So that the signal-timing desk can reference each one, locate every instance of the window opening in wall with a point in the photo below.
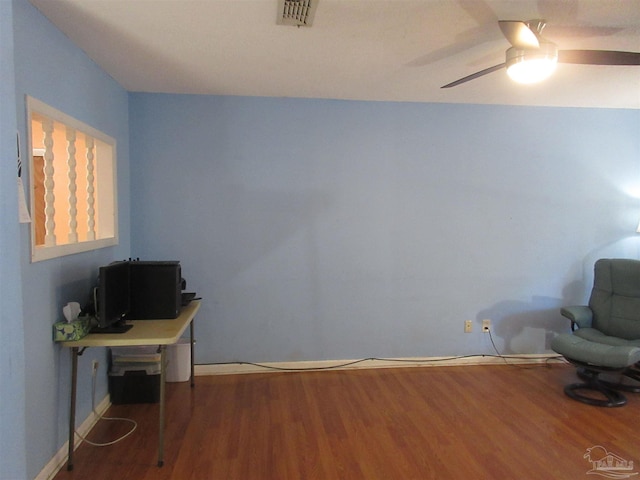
(73, 184)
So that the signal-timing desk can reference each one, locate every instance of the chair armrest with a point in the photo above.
(580, 315)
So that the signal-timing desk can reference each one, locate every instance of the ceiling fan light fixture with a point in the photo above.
(532, 65)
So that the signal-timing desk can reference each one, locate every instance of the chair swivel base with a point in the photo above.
(629, 380)
(594, 391)
(632, 373)
(611, 398)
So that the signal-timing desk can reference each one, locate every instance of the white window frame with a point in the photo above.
(105, 181)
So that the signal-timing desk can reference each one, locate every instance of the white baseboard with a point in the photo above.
(235, 368)
(60, 458)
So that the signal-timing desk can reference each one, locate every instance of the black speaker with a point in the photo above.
(155, 290)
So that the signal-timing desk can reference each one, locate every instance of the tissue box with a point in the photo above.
(65, 332)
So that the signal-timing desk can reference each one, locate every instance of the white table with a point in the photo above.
(144, 332)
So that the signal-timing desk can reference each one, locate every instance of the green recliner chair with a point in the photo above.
(607, 337)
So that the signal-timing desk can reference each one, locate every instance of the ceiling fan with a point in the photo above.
(532, 58)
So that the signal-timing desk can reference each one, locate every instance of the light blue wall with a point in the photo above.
(322, 229)
(313, 229)
(51, 68)
(12, 371)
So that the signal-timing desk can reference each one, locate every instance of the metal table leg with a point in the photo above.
(72, 408)
(163, 367)
(193, 381)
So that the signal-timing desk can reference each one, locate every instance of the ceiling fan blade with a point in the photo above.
(577, 31)
(464, 41)
(474, 75)
(484, 31)
(598, 57)
(519, 34)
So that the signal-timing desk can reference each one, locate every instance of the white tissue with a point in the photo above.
(71, 311)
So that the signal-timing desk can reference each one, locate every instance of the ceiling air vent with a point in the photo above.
(296, 12)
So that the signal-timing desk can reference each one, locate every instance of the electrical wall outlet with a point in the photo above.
(94, 367)
(468, 326)
(486, 326)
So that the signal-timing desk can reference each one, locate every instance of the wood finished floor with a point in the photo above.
(474, 422)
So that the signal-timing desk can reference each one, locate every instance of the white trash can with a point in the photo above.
(179, 361)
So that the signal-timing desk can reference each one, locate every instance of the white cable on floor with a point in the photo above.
(100, 417)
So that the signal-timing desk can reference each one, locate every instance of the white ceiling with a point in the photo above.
(387, 50)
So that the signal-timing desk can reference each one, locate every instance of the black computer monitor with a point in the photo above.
(112, 299)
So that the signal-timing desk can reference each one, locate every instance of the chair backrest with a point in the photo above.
(615, 297)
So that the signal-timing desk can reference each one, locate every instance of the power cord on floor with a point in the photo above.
(100, 417)
(560, 358)
(400, 360)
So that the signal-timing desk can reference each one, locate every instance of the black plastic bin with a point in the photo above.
(138, 383)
